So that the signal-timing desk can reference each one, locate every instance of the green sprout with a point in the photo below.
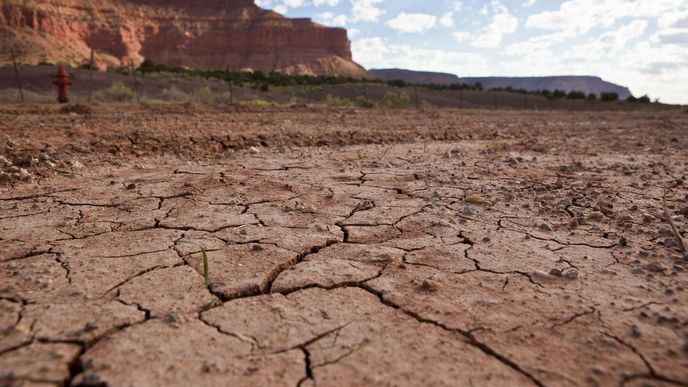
(204, 255)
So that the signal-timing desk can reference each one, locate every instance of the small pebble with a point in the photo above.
(253, 150)
(545, 227)
(555, 272)
(131, 186)
(571, 273)
(596, 216)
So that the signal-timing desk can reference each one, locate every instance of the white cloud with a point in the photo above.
(529, 3)
(447, 19)
(366, 10)
(330, 19)
(331, 3)
(584, 15)
(503, 23)
(412, 22)
(376, 52)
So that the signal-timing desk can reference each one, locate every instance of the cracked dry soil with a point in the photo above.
(353, 265)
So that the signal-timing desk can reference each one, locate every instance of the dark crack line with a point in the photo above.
(471, 339)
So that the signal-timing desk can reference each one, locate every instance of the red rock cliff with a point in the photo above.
(210, 34)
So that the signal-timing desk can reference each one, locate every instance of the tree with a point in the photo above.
(592, 97)
(609, 97)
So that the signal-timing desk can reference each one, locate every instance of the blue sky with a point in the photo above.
(642, 44)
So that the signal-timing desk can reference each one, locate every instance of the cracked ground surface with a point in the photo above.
(524, 249)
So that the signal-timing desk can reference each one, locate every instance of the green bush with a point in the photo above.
(173, 94)
(393, 100)
(334, 101)
(259, 102)
(364, 102)
(609, 97)
(117, 92)
(205, 95)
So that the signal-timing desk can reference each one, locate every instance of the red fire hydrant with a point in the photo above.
(62, 82)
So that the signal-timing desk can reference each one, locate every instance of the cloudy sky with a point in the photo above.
(642, 44)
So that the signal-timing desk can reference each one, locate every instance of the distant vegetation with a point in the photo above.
(261, 81)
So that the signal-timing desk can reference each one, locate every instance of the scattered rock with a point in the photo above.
(555, 272)
(648, 219)
(637, 271)
(131, 186)
(571, 273)
(4, 162)
(543, 276)
(78, 164)
(24, 175)
(596, 216)
(428, 286)
(253, 150)
(654, 267)
(545, 227)
(469, 210)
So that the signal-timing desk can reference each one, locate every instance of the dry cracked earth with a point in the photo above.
(530, 249)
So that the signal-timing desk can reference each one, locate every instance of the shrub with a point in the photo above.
(609, 97)
(205, 95)
(334, 101)
(576, 95)
(364, 102)
(173, 94)
(592, 97)
(394, 100)
(117, 92)
(644, 99)
(258, 102)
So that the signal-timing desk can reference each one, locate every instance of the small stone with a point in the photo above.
(4, 177)
(635, 331)
(555, 272)
(486, 239)
(571, 273)
(669, 242)
(542, 275)
(623, 242)
(596, 216)
(637, 271)
(647, 218)
(599, 370)
(468, 210)
(545, 227)
(78, 164)
(428, 286)
(253, 150)
(43, 156)
(627, 219)
(654, 267)
(257, 248)
(24, 175)
(131, 186)
(4, 162)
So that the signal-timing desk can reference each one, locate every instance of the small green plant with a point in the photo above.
(258, 102)
(393, 100)
(206, 276)
(496, 147)
(117, 92)
(359, 155)
(205, 95)
(364, 102)
(334, 101)
(386, 151)
(204, 256)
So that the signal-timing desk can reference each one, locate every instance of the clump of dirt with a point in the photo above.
(76, 108)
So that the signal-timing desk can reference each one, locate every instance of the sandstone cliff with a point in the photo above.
(209, 34)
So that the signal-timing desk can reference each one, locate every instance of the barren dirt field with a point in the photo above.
(344, 247)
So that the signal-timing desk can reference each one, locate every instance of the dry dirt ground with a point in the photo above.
(348, 248)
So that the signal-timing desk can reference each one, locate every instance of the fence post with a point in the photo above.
(90, 86)
(136, 83)
(16, 74)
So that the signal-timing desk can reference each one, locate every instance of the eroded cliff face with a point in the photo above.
(209, 34)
